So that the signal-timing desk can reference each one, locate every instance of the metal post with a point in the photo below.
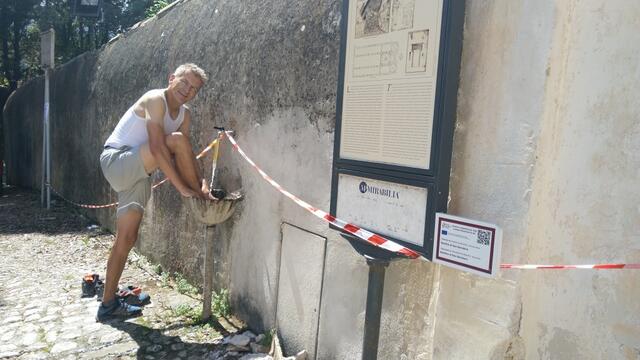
(375, 290)
(48, 135)
(207, 288)
(44, 150)
(47, 47)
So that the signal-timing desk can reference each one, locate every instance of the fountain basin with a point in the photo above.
(212, 212)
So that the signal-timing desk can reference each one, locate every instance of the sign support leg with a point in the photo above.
(375, 291)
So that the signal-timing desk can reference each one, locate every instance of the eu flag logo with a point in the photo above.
(444, 232)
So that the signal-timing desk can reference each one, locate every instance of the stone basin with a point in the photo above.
(212, 212)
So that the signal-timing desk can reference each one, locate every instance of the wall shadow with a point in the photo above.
(155, 343)
(21, 212)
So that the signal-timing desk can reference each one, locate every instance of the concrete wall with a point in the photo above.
(584, 204)
(546, 145)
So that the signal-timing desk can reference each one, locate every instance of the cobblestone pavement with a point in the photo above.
(44, 255)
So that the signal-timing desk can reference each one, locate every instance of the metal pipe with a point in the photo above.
(48, 130)
(44, 160)
(45, 145)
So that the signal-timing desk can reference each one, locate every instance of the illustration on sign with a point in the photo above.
(389, 89)
(375, 17)
(417, 51)
(376, 59)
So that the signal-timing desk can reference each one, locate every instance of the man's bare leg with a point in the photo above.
(126, 236)
(180, 147)
(185, 160)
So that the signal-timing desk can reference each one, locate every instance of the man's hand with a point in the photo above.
(206, 192)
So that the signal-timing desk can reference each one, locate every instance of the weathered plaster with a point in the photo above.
(505, 53)
(585, 202)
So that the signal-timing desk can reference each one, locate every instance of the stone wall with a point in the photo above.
(273, 72)
(546, 146)
(4, 95)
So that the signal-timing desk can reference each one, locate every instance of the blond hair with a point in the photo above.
(192, 68)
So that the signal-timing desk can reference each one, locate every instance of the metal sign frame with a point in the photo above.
(436, 178)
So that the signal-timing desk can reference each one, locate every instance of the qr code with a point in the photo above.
(484, 237)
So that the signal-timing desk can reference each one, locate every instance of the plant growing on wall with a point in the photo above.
(155, 7)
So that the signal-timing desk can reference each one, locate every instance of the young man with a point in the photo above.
(152, 134)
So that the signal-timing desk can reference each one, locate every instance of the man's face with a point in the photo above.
(184, 87)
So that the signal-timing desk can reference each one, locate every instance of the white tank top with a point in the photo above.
(132, 130)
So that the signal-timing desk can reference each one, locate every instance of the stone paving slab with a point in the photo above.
(44, 255)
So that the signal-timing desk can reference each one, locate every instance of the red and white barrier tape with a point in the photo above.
(86, 206)
(387, 244)
(373, 239)
(566, 267)
(90, 206)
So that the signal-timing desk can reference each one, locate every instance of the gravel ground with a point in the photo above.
(44, 255)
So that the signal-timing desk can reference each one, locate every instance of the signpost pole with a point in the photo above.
(47, 46)
(44, 147)
(47, 137)
(377, 261)
(375, 291)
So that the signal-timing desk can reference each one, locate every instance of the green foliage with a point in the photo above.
(220, 304)
(21, 22)
(157, 268)
(155, 7)
(268, 338)
(164, 279)
(184, 310)
(86, 240)
(183, 286)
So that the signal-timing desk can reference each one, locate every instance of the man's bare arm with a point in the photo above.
(185, 127)
(154, 114)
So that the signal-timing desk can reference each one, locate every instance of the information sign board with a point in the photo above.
(387, 208)
(390, 81)
(395, 115)
(468, 245)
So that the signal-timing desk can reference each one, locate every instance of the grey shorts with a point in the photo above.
(124, 170)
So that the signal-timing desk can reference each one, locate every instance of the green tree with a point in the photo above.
(15, 16)
(21, 22)
(155, 7)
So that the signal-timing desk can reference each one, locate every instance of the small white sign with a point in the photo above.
(468, 245)
(47, 48)
(387, 208)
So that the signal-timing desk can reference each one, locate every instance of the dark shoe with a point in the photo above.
(89, 285)
(133, 295)
(117, 308)
(99, 290)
